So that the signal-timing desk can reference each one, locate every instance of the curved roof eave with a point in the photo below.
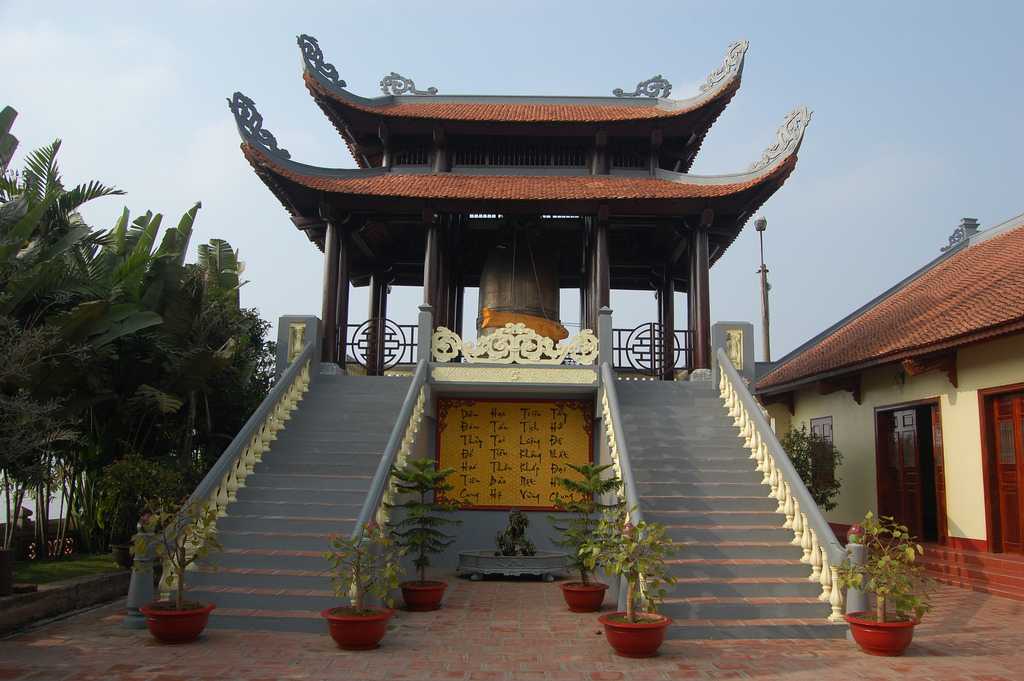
(325, 78)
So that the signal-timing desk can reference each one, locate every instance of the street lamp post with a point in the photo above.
(760, 224)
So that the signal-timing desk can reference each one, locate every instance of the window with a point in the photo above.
(823, 465)
(822, 427)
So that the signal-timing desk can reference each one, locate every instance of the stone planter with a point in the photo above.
(545, 564)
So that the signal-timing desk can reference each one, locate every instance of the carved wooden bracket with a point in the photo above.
(945, 362)
(850, 384)
(785, 398)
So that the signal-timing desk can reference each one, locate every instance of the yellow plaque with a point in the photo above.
(509, 453)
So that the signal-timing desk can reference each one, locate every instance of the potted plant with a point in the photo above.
(891, 572)
(636, 553)
(367, 564)
(178, 538)
(580, 496)
(418, 530)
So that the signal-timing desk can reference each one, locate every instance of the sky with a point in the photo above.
(917, 109)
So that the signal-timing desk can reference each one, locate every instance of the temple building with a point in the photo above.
(520, 196)
(922, 390)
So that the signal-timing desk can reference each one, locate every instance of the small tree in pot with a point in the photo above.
(638, 554)
(418, 531)
(178, 538)
(580, 495)
(890, 572)
(361, 566)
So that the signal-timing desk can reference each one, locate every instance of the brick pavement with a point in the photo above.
(517, 631)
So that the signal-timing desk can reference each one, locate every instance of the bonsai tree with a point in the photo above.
(636, 553)
(816, 461)
(512, 541)
(178, 538)
(364, 565)
(580, 496)
(891, 571)
(418, 532)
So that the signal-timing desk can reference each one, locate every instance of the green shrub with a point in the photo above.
(816, 461)
(125, 488)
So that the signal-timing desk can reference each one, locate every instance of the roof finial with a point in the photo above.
(250, 125)
(313, 56)
(656, 87)
(968, 227)
(396, 84)
(732, 66)
(787, 139)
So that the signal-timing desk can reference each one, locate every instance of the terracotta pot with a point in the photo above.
(889, 639)
(357, 632)
(639, 639)
(122, 555)
(423, 596)
(582, 597)
(176, 626)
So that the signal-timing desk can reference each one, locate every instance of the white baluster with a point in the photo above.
(787, 506)
(815, 558)
(805, 541)
(836, 597)
(826, 578)
(798, 525)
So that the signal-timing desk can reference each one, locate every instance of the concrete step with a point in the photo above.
(669, 473)
(261, 578)
(762, 628)
(705, 503)
(716, 517)
(310, 481)
(726, 568)
(270, 559)
(644, 460)
(710, 534)
(745, 608)
(258, 490)
(268, 600)
(295, 509)
(291, 541)
(246, 619)
(325, 525)
(651, 484)
(358, 468)
(721, 550)
(745, 587)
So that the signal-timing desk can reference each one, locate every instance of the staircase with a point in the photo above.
(310, 485)
(738, 574)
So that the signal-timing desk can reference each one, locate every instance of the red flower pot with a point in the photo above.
(880, 638)
(582, 597)
(357, 631)
(635, 639)
(423, 596)
(176, 626)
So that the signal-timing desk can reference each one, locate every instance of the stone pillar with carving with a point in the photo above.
(738, 340)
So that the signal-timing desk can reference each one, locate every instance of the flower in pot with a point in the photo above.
(178, 538)
(361, 566)
(418, 530)
(580, 496)
(636, 553)
(891, 572)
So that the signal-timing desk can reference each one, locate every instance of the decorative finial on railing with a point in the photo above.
(787, 139)
(313, 57)
(250, 124)
(656, 87)
(731, 67)
(397, 84)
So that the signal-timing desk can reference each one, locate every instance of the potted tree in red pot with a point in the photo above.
(361, 566)
(891, 572)
(580, 495)
(178, 538)
(418, 530)
(636, 553)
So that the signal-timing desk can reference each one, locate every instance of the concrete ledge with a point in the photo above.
(60, 597)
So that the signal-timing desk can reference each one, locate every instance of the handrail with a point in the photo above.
(401, 440)
(821, 550)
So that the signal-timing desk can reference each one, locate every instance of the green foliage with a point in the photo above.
(890, 571)
(46, 571)
(581, 496)
(419, 530)
(816, 460)
(178, 538)
(637, 553)
(367, 564)
(128, 485)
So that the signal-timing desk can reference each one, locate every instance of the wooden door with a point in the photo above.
(940, 474)
(1008, 419)
(906, 462)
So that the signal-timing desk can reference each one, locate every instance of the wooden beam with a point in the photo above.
(785, 398)
(945, 362)
(850, 383)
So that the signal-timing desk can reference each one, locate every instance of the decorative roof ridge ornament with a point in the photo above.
(250, 124)
(655, 86)
(967, 228)
(732, 66)
(397, 84)
(787, 139)
(313, 57)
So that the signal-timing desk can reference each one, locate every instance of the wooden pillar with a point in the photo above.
(460, 304)
(443, 278)
(699, 299)
(666, 316)
(455, 291)
(602, 261)
(329, 300)
(376, 314)
(430, 265)
(344, 267)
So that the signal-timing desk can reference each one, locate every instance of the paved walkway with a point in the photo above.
(517, 632)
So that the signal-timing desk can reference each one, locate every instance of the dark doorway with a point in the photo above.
(910, 469)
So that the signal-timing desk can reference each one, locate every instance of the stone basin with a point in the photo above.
(545, 564)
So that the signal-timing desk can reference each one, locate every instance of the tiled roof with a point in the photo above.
(973, 294)
(510, 112)
(507, 187)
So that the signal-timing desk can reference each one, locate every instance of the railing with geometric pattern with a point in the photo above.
(811, 532)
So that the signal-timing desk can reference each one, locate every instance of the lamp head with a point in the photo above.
(760, 224)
